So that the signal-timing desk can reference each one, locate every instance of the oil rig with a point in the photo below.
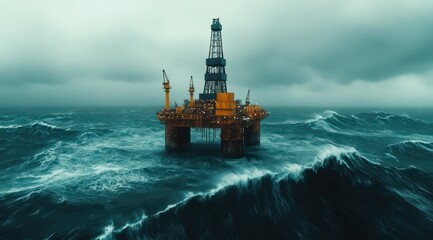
(215, 109)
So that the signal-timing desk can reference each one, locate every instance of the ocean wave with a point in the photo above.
(238, 177)
(21, 142)
(366, 123)
(13, 126)
(332, 122)
(390, 119)
(411, 145)
(34, 124)
(35, 128)
(366, 118)
(341, 196)
(21, 212)
(70, 167)
(413, 152)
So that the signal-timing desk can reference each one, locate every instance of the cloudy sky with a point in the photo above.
(288, 52)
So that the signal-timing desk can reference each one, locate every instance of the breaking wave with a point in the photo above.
(342, 195)
(361, 123)
(19, 142)
(34, 130)
(415, 152)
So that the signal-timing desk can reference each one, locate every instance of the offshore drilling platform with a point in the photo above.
(215, 109)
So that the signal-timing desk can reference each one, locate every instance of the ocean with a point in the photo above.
(102, 173)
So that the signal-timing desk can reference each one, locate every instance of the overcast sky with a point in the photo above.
(289, 53)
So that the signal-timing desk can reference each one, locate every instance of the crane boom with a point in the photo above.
(164, 77)
(247, 100)
(166, 84)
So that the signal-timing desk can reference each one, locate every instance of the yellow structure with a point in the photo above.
(254, 112)
(166, 84)
(225, 104)
(179, 109)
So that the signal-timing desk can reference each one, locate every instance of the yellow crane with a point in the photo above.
(166, 84)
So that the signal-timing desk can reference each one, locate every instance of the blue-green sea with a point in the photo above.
(319, 173)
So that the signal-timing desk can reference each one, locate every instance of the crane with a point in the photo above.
(166, 84)
(191, 93)
(247, 100)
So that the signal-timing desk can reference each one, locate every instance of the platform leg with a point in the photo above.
(252, 134)
(177, 138)
(232, 145)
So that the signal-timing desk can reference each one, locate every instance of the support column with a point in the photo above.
(252, 134)
(176, 138)
(232, 145)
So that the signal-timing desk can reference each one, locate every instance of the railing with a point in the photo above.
(205, 117)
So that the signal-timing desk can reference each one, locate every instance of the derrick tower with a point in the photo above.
(215, 76)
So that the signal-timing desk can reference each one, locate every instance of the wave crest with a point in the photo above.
(413, 152)
(342, 196)
(373, 122)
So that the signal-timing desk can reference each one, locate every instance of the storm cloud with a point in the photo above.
(112, 52)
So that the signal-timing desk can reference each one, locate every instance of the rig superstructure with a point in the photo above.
(215, 109)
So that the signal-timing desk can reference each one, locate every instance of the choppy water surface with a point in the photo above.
(103, 173)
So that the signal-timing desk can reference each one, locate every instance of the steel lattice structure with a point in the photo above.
(215, 77)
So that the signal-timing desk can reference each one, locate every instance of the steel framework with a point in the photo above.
(215, 76)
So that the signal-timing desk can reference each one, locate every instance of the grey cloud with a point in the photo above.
(30, 75)
(58, 66)
(375, 56)
(281, 45)
(371, 47)
(24, 74)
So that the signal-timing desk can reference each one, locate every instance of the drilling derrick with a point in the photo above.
(215, 109)
(215, 76)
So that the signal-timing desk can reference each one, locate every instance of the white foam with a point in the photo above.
(10, 126)
(44, 124)
(414, 141)
(354, 117)
(288, 121)
(418, 143)
(291, 121)
(317, 117)
(333, 151)
(108, 233)
(98, 169)
(322, 125)
(190, 194)
(319, 122)
(294, 169)
(388, 116)
(60, 174)
(240, 177)
(392, 156)
(109, 229)
(325, 115)
(87, 167)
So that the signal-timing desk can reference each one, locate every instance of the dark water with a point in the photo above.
(103, 173)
